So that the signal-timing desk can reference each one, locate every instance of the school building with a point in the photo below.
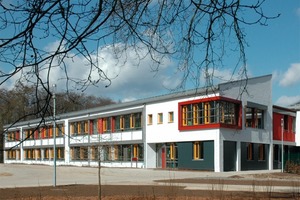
(232, 126)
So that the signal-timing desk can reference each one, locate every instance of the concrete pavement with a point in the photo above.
(14, 175)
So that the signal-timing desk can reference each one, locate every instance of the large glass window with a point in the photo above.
(209, 113)
(254, 118)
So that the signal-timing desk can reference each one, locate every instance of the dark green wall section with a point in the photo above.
(229, 156)
(185, 156)
(254, 164)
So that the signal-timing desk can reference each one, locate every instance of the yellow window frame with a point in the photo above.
(184, 115)
(195, 114)
(206, 113)
(171, 117)
(150, 119)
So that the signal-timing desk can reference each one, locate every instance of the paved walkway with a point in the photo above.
(38, 175)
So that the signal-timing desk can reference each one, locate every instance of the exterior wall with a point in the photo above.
(252, 93)
(255, 163)
(230, 155)
(186, 161)
(297, 138)
(288, 132)
(225, 146)
(168, 132)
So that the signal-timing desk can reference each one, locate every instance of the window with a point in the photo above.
(254, 118)
(60, 131)
(198, 150)
(75, 153)
(46, 154)
(250, 151)
(38, 154)
(72, 128)
(172, 151)
(286, 122)
(106, 123)
(115, 152)
(195, 114)
(276, 152)
(132, 121)
(210, 112)
(122, 122)
(60, 153)
(150, 119)
(94, 153)
(228, 113)
(261, 152)
(135, 120)
(78, 127)
(50, 131)
(83, 153)
(159, 118)
(138, 151)
(171, 117)
(293, 124)
(86, 127)
(187, 113)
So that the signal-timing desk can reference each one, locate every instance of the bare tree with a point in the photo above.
(196, 34)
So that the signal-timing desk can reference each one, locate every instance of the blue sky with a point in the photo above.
(273, 49)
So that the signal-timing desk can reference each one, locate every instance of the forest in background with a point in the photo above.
(20, 104)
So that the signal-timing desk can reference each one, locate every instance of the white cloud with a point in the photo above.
(287, 100)
(291, 76)
(132, 78)
(220, 76)
(131, 74)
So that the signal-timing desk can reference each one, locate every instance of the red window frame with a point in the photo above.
(181, 127)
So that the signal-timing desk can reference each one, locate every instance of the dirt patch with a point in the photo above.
(170, 190)
(5, 174)
(112, 192)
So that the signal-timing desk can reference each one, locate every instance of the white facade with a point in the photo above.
(154, 133)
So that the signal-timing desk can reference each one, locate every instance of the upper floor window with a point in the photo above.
(159, 118)
(80, 127)
(209, 112)
(294, 124)
(254, 118)
(171, 117)
(150, 119)
(13, 136)
(128, 122)
(106, 123)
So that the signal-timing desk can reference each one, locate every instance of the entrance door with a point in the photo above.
(230, 156)
(161, 156)
(171, 155)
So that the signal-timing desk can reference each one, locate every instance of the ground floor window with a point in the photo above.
(261, 152)
(250, 151)
(198, 150)
(13, 154)
(79, 153)
(109, 152)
